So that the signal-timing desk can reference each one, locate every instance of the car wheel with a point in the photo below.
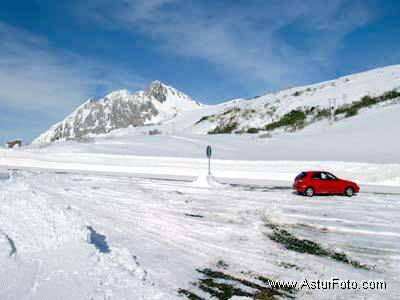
(349, 191)
(309, 192)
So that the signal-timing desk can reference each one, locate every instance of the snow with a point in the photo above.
(271, 107)
(63, 203)
(177, 112)
(156, 245)
(357, 139)
(189, 168)
(344, 148)
(175, 103)
(207, 181)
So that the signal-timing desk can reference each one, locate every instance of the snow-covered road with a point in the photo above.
(381, 176)
(155, 234)
(243, 159)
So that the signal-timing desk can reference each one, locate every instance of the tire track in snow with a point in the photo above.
(155, 248)
(13, 248)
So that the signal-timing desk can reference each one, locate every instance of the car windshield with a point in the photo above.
(330, 176)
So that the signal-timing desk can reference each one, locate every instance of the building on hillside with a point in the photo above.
(13, 144)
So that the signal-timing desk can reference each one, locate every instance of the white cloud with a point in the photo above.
(37, 78)
(40, 85)
(244, 39)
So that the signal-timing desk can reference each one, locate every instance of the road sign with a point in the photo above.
(209, 153)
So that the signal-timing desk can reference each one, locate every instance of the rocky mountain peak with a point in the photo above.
(120, 109)
(157, 90)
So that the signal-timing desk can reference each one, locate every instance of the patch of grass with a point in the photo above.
(352, 109)
(391, 94)
(290, 266)
(223, 286)
(221, 291)
(253, 130)
(341, 110)
(322, 114)
(189, 295)
(247, 114)
(224, 128)
(205, 118)
(230, 290)
(291, 242)
(294, 119)
(351, 112)
(233, 110)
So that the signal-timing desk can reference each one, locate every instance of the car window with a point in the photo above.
(324, 176)
(330, 176)
(317, 176)
(301, 175)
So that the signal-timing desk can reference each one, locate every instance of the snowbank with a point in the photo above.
(207, 181)
(191, 168)
(363, 148)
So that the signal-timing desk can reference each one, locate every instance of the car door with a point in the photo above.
(319, 183)
(333, 184)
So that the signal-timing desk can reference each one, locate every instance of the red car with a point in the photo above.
(319, 182)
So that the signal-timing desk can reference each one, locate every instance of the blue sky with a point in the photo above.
(56, 54)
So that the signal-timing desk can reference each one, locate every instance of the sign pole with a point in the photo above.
(209, 166)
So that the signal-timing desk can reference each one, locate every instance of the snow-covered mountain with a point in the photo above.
(164, 108)
(121, 109)
(298, 107)
(288, 110)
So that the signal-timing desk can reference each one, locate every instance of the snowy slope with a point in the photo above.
(362, 148)
(159, 233)
(120, 109)
(263, 110)
(86, 236)
(169, 110)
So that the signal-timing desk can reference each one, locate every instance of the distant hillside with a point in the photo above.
(164, 109)
(295, 108)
